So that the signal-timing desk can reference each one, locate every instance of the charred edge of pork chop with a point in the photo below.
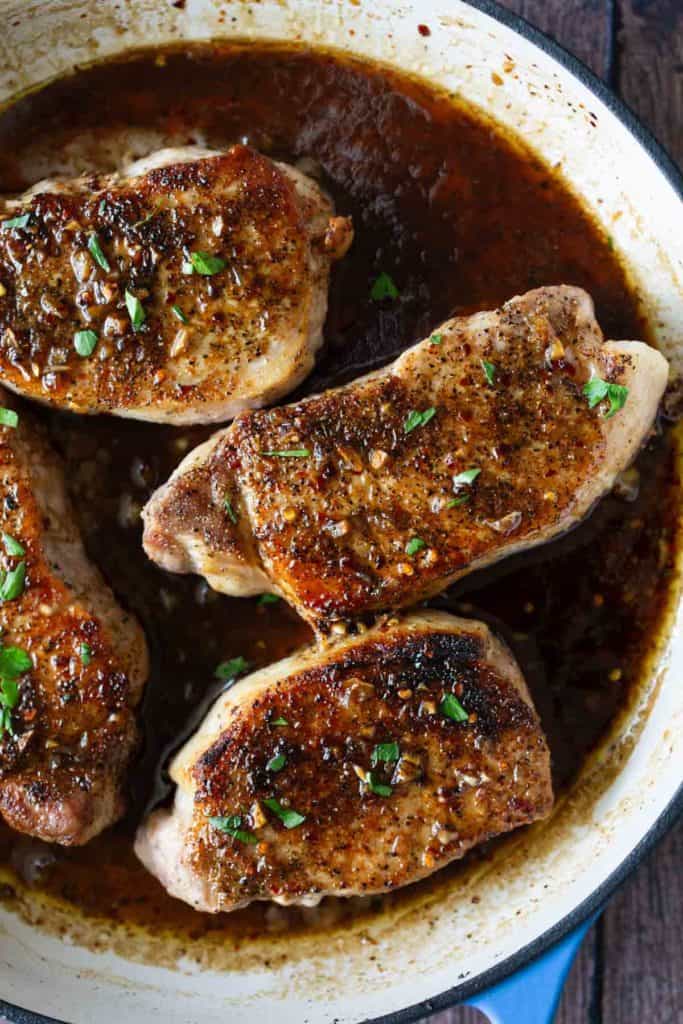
(329, 531)
(62, 772)
(248, 334)
(453, 785)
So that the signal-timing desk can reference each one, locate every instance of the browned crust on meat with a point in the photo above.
(62, 772)
(147, 226)
(470, 781)
(332, 529)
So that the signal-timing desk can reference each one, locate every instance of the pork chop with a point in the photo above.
(354, 769)
(187, 288)
(497, 433)
(72, 662)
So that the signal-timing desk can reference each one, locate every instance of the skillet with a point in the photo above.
(552, 882)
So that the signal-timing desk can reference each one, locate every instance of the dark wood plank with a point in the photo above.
(584, 27)
(649, 72)
(644, 942)
(581, 995)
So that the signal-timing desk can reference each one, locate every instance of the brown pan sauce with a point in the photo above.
(462, 219)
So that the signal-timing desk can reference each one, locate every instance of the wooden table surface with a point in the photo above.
(630, 968)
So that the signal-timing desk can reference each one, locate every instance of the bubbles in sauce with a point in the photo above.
(462, 220)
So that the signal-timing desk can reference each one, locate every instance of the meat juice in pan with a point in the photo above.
(461, 219)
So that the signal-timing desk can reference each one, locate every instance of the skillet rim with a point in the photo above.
(594, 903)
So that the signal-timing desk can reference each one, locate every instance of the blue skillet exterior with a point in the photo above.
(543, 964)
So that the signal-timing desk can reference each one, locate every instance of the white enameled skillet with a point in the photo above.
(554, 878)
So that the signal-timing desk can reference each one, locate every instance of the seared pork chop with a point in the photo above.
(186, 289)
(72, 662)
(353, 769)
(498, 432)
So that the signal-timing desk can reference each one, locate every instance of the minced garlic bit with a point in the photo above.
(555, 351)
(339, 528)
(359, 689)
(179, 343)
(378, 458)
(508, 523)
(408, 769)
(350, 457)
(257, 815)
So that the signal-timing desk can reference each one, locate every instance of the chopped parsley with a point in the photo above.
(102, 208)
(436, 339)
(414, 545)
(276, 763)
(178, 313)
(228, 670)
(206, 264)
(8, 418)
(268, 599)
(383, 288)
(288, 817)
(289, 453)
(418, 419)
(597, 389)
(9, 695)
(375, 786)
(136, 311)
(231, 826)
(467, 477)
(85, 342)
(22, 221)
(464, 479)
(85, 651)
(451, 707)
(385, 752)
(13, 582)
(489, 371)
(279, 721)
(454, 502)
(232, 515)
(95, 250)
(11, 545)
(13, 663)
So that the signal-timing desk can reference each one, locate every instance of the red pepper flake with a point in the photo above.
(424, 30)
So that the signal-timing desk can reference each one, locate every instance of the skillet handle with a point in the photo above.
(533, 993)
